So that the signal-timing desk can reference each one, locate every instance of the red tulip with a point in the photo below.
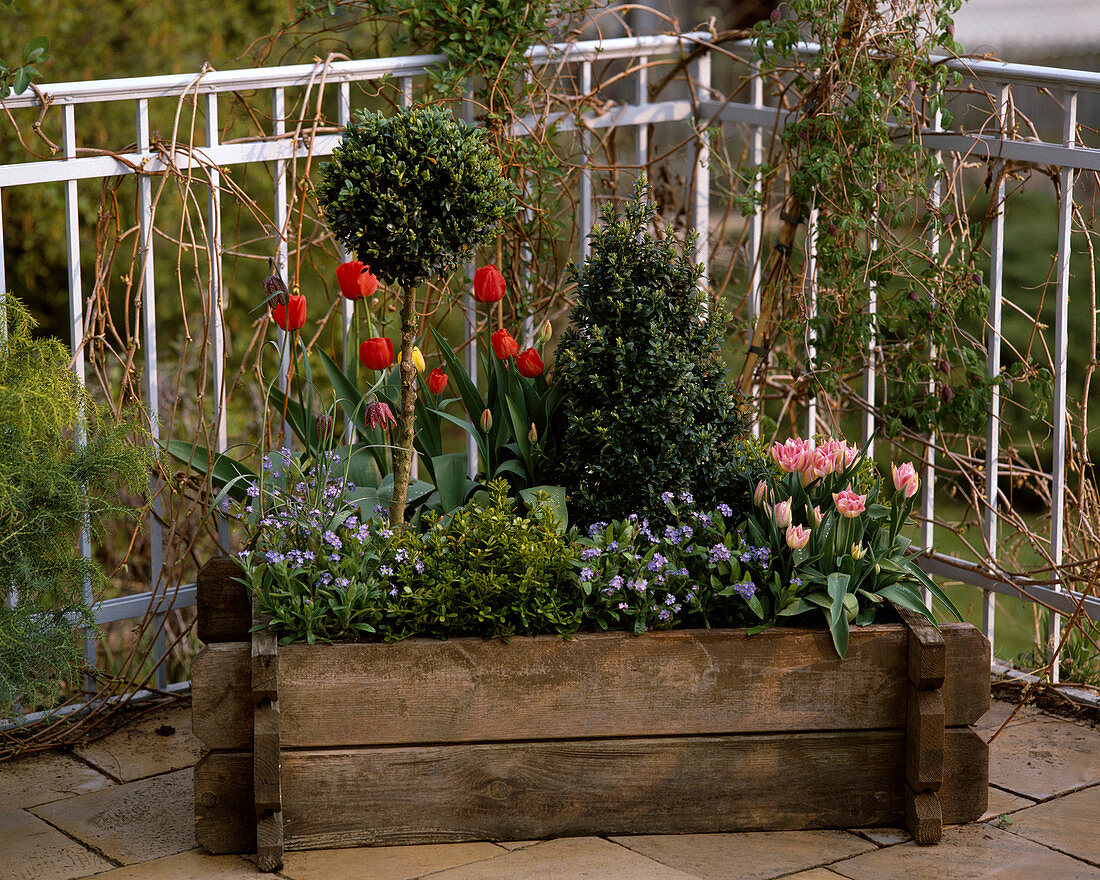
(504, 346)
(292, 315)
(530, 364)
(355, 280)
(376, 353)
(489, 285)
(437, 380)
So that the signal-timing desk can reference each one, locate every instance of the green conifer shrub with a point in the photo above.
(47, 484)
(646, 404)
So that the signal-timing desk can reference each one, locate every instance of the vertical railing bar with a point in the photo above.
(527, 272)
(469, 311)
(281, 211)
(12, 592)
(217, 315)
(700, 197)
(928, 467)
(76, 341)
(151, 381)
(992, 454)
(347, 306)
(586, 206)
(756, 227)
(641, 97)
(1061, 345)
(867, 420)
(811, 313)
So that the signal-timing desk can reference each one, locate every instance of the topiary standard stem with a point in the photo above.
(403, 449)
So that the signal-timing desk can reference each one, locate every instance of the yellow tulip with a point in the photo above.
(418, 360)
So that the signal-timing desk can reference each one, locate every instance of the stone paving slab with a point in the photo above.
(135, 822)
(753, 855)
(191, 865)
(569, 858)
(1000, 710)
(158, 742)
(884, 836)
(1067, 823)
(815, 874)
(967, 852)
(31, 850)
(1040, 759)
(385, 862)
(1002, 802)
(39, 779)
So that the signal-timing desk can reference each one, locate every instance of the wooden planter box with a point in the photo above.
(683, 731)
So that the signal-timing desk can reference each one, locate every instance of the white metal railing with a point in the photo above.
(702, 108)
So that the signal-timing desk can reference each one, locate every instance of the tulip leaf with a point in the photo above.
(522, 440)
(472, 400)
(222, 469)
(554, 498)
(838, 589)
(450, 479)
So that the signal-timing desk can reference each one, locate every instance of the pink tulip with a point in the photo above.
(821, 462)
(906, 480)
(849, 503)
(792, 455)
(781, 513)
(818, 515)
(841, 454)
(797, 537)
(758, 495)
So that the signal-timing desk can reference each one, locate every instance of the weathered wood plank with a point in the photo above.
(966, 682)
(607, 684)
(964, 794)
(223, 610)
(515, 791)
(221, 711)
(225, 814)
(266, 749)
(463, 690)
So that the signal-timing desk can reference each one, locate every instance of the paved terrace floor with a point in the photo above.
(121, 809)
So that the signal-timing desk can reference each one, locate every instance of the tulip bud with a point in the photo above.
(758, 495)
(858, 551)
(545, 332)
(437, 381)
(533, 434)
(781, 513)
(486, 421)
(489, 285)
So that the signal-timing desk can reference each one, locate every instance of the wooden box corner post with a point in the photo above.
(924, 728)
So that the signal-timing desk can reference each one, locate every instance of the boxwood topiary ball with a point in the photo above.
(414, 194)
